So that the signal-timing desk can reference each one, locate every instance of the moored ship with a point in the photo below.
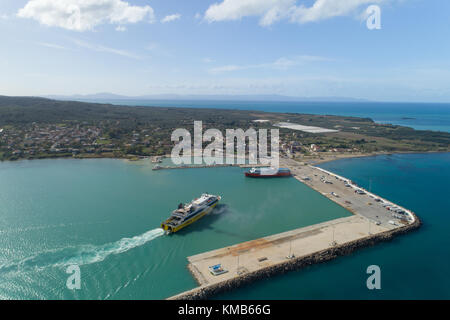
(190, 212)
(268, 172)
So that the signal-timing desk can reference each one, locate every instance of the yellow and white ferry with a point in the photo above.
(189, 213)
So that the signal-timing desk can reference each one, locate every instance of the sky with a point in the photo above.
(302, 48)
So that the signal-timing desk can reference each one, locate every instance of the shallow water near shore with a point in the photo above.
(104, 215)
(413, 266)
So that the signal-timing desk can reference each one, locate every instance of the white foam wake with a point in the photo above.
(81, 255)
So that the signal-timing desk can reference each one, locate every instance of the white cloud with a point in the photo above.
(51, 45)
(4, 17)
(268, 10)
(207, 60)
(279, 64)
(83, 15)
(121, 28)
(271, 11)
(100, 48)
(325, 9)
(171, 18)
(227, 68)
(152, 46)
(294, 86)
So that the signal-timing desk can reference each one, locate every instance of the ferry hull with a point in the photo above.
(170, 229)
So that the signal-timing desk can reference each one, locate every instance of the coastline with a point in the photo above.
(319, 159)
(147, 132)
(129, 158)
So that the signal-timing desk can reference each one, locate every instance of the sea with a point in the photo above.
(104, 216)
(420, 116)
(413, 266)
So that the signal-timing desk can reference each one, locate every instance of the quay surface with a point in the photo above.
(198, 166)
(262, 258)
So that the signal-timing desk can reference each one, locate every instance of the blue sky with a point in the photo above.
(301, 48)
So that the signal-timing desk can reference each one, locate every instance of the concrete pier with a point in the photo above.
(199, 166)
(191, 166)
(262, 258)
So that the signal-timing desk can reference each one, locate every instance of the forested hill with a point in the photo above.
(36, 127)
(22, 110)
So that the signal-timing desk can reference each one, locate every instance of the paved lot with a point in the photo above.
(254, 255)
(358, 204)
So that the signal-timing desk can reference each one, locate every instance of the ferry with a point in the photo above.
(189, 213)
(268, 172)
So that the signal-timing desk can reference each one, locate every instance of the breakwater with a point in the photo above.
(208, 290)
(374, 220)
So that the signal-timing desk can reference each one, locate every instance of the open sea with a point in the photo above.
(420, 116)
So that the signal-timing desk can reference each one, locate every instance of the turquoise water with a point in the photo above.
(104, 216)
(413, 266)
(420, 116)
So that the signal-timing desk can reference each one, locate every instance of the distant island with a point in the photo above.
(39, 128)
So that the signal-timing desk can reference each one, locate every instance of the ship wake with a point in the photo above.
(80, 255)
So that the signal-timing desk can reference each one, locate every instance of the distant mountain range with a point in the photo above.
(110, 96)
